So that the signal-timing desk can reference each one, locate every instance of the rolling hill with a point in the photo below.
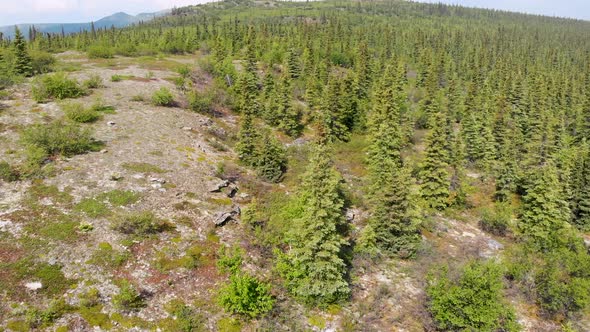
(118, 20)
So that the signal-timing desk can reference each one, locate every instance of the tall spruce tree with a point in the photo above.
(313, 268)
(544, 213)
(248, 106)
(293, 65)
(333, 116)
(434, 174)
(22, 60)
(394, 230)
(288, 117)
(271, 161)
(581, 188)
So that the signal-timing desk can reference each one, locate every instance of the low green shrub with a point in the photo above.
(116, 78)
(107, 257)
(474, 302)
(100, 52)
(127, 49)
(558, 280)
(90, 298)
(100, 107)
(128, 298)
(496, 220)
(56, 86)
(230, 260)
(139, 224)
(92, 208)
(78, 113)
(163, 97)
(246, 295)
(93, 82)
(58, 138)
(8, 173)
(200, 102)
(40, 318)
(186, 319)
(138, 98)
(42, 62)
(120, 197)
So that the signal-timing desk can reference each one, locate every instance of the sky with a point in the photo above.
(76, 11)
(563, 8)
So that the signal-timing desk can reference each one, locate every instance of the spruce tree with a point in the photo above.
(289, 118)
(457, 162)
(581, 188)
(248, 106)
(394, 231)
(247, 140)
(22, 60)
(313, 268)
(293, 66)
(333, 116)
(544, 212)
(271, 161)
(434, 174)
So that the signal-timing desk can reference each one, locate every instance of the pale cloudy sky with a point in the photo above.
(58, 11)
(65, 11)
(563, 8)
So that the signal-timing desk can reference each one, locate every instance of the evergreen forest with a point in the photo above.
(338, 165)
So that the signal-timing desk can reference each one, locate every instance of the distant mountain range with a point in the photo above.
(118, 20)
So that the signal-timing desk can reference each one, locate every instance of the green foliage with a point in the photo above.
(563, 282)
(22, 59)
(120, 197)
(246, 295)
(140, 224)
(313, 268)
(271, 161)
(42, 62)
(392, 227)
(473, 302)
(94, 81)
(544, 212)
(557, 279)
(497, 220)
(39, 318)
(107, 257)
(78, 113)
(200, 102)
(100, 107)
(580, 185)
(8, 173)
(90, 298)
(92, 208)
(230, 260)
(247, 138)
(186, 319)
(128, 298)
(99, 52)
(434, 174)
(334, 118)
(163, 97)
(58, 138)
(6, 75)
(56, 86)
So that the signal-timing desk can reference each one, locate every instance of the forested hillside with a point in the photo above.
(293, 166)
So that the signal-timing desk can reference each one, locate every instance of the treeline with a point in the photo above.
(504, 95)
